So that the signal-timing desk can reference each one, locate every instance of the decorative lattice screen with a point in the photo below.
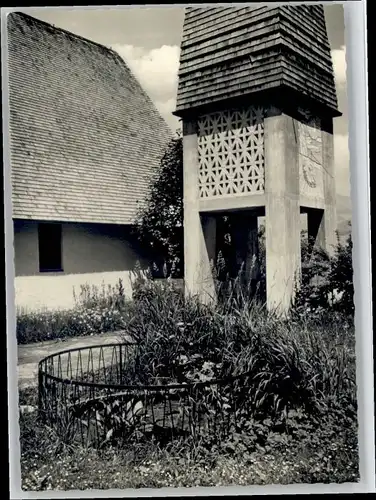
(231, 153)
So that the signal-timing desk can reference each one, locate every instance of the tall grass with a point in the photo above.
(91, 296)
(295, 363)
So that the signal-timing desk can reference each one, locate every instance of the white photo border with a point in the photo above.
(356, 57)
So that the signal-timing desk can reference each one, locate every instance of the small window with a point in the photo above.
(49, 239)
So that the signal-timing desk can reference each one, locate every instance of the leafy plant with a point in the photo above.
(159, 223)
(326, 281)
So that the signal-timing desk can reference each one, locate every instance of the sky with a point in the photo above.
(148, 39)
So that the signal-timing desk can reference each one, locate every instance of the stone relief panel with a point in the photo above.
(311, 179)
(231, 153)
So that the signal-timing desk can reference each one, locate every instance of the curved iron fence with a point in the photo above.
(86, 394)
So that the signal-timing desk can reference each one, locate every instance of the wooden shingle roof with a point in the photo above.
(85, 138)
(236, 51)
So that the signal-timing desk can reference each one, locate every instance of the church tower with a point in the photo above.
(257, 99)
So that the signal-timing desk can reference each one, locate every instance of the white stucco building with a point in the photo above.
(85, 140)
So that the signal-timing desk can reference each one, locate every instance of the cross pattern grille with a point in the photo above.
(231, 153)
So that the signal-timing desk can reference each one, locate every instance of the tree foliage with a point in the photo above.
(159, 224)
(327, 281)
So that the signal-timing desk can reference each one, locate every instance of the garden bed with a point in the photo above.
(97, 392)
(302, 424)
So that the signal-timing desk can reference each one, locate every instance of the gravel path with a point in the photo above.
(29, 355)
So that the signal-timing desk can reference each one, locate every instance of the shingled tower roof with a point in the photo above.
(236, 51)
(85, 138)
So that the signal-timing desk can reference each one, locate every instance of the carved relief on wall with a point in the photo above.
(231, 153)
(310, 161)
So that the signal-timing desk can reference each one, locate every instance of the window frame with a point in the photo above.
(43, 241)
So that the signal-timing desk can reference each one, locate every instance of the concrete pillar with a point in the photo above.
(327, 233)
(322, 224)
(199, 231)
(282, 211)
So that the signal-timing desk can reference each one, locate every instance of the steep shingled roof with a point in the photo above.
(85, 138)
(235, 51)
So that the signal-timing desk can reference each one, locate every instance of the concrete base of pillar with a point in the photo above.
(322, 229)
(200, 257)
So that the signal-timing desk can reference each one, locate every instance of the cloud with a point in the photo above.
(339, 64)
(341, 138)
(166, 108)
(157, 72)
(341, 159)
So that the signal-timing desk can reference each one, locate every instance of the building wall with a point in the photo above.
(91, 254)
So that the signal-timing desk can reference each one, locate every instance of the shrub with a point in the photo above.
(326, 281)
(159, 224)
(300, 373)
(52, 325)
(96, 311)
(341, 276)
